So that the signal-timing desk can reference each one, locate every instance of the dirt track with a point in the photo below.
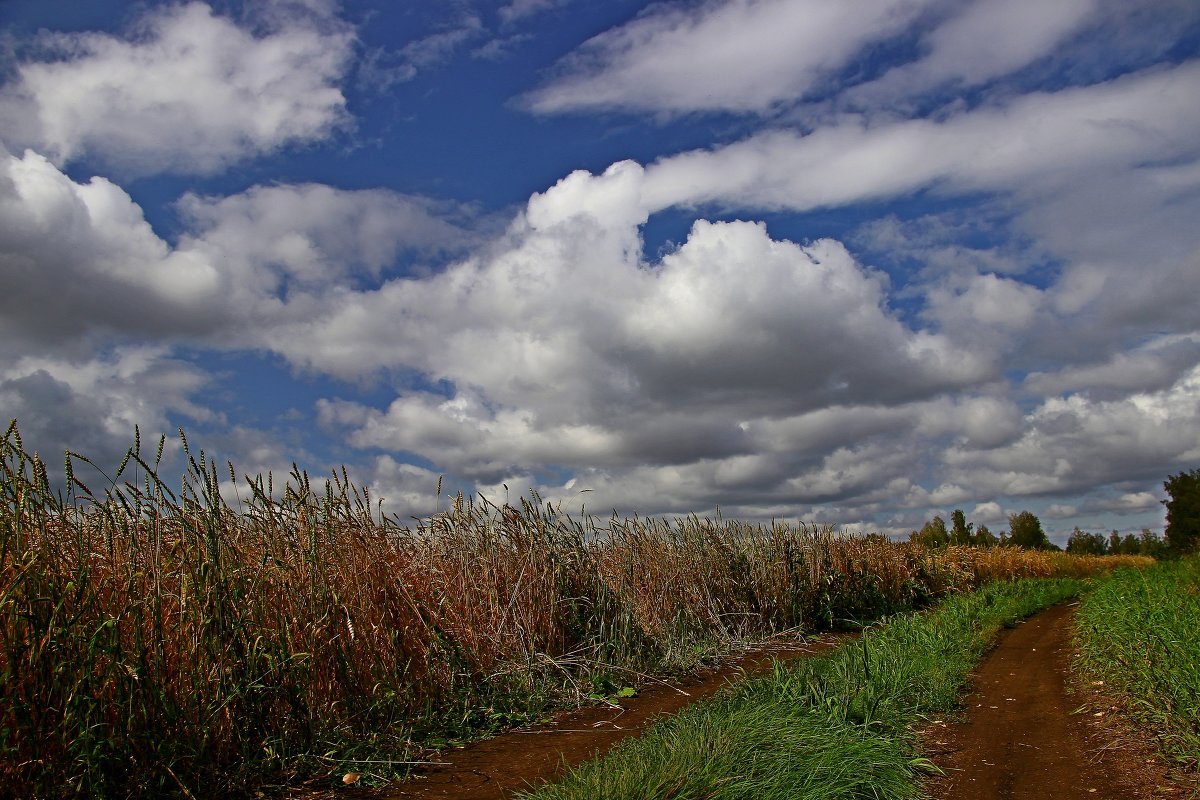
(1021, 739)
(496, 768)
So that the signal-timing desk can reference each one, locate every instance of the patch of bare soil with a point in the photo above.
(1024, 736)
(498, 767)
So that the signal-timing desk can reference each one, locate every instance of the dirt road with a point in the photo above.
(1021, 739)
(496, 768)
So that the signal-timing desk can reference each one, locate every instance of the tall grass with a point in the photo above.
(157, 640)
(1138, 633)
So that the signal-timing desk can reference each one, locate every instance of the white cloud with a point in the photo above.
(979, 422)
(988, 513)
(307, 238)
(1154, 366)
(91, 405)
(1020, 146)
(1087, 181)
(983, 307)
(985, 39)
(438, 47)
(735, 55)
(520, 9)
(83, 265)
(935, 243)
(79, 260)
(1074, 443)
(187, 91)
(407, 490)
(383, 68)
(565, 348)
(811, 58)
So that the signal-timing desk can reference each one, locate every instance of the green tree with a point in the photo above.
(932, 534)
(1152, 545)
(1183, 511)
(1086, 544)
(985, 538)
(1025, 530)
(960, 529)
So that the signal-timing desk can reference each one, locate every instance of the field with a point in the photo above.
(1138, 637)
(156, 640)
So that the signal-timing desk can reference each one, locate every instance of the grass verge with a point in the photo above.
(834, 726)
(1139, 633)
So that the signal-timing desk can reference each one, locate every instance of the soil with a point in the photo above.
(1026, 736)
(499, 767)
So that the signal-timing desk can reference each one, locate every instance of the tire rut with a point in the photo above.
(1022, 738)
(499, 767)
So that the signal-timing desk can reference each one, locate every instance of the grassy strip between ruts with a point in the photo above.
(1138, 633)
(836, 726)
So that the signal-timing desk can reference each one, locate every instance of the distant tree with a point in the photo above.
(1086, 544)
(1025, 530)
(1152, 545)
(932, 534)
(1114, 543)
(984, 537)
(960, 529)
(1183, 511)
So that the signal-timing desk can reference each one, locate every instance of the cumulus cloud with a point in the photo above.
(186, 91)
(731, 55)
(83, 264)
(1086, 180)
(1153, 366)
(824, 398)
(983, 307)
(1075, 442)
(408, 491)
(292, 239)
(663, 362)
(91, 405)
(80, 261)
(86, 275)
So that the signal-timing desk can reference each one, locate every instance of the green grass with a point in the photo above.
(835, 726)
(1139, 632)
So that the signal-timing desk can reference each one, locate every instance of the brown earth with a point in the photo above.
(499, 767)
(1026, 737)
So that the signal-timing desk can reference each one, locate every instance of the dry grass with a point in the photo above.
(154, 641)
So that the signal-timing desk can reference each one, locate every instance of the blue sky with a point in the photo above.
(858, 263)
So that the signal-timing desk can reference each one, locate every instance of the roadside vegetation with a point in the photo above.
(1138, 636)
(839, 725)
(156, 639)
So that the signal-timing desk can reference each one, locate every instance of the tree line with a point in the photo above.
(1182, 534)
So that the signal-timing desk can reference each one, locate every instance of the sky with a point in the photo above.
(856, 263)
